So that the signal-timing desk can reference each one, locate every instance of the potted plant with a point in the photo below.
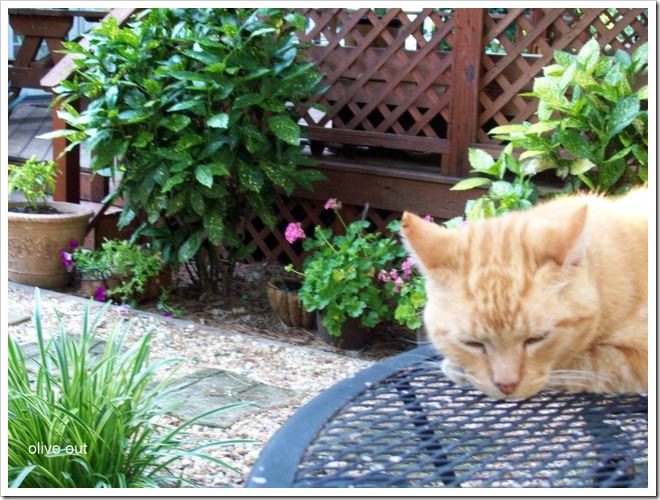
(119, 270)
(195, 112)
(38, 228)
(356, 280)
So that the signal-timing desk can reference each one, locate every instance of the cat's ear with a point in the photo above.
(431, 245)
(564, 241)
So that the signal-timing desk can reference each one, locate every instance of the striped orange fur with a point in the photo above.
(556, 296)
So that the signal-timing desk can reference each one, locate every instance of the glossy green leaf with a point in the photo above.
(480, 160)
(471, 183)
(190, 247)
(623, 113)
(221, 120)
(204, 175)
(176, 123)
(285, 129)
(214, 226)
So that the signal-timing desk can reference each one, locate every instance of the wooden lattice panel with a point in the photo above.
(527, 40)
(388, 77)
(271, 246)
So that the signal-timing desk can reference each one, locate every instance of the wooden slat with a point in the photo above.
(359, 137)
(465, 89)
(339, 92)
(26, 78)
(67, 187)
(388, 188)
(44, 26)
(389, 66)
(85, 13)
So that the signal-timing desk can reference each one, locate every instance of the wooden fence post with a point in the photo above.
(67, 184)
(466, 72)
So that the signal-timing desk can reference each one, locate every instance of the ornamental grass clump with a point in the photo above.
(358, 274)
(76, 419)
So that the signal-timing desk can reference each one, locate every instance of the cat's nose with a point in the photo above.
(507, 388)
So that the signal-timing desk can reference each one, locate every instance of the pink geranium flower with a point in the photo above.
(332, 204)
(384, 276)
(406, 268)
(294, 232)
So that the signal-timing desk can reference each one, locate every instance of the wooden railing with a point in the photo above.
(39, 26)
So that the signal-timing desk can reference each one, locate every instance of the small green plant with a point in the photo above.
(358, 274)
(79, 420)
(199, 108)
(592, 126)
(131, 265)
(35, 179)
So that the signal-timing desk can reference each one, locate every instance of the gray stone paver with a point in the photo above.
(210, 388)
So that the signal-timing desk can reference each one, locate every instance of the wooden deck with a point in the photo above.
(28, 119)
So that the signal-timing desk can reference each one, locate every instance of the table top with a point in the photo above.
(402, 423)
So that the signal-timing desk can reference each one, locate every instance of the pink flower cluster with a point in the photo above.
(393, 275)
(294, 232)
(332, 204)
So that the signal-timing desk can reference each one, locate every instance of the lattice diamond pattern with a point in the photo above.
(530, 45)
(378, 84)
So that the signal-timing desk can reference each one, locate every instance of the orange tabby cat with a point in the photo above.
(555, 296)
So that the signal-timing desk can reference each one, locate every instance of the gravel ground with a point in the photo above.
(304, 369)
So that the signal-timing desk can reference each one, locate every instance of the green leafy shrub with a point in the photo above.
(81, 420)
(592, 131)
(200, 108)
(592, 126)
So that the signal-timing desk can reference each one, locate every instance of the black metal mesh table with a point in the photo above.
(402, 423)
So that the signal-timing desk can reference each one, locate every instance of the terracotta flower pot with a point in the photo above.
(353, 334)
(284, 300)
(36, 240)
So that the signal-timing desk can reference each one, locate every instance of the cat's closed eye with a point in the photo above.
(535, 339)
(474, 344)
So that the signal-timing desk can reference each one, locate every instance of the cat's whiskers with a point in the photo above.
(577, 378)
